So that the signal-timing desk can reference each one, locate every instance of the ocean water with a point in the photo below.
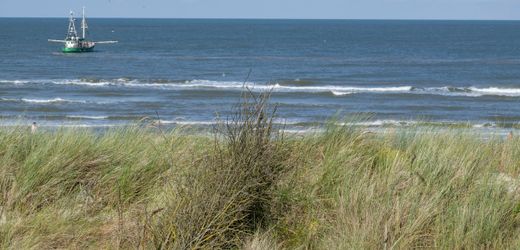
(192, 71)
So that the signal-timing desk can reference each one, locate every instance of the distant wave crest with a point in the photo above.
(53, 100)
(42, 101)
(335, 90)
(87, 117)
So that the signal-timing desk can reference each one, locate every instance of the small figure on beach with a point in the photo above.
(34, 127)
(510, 135)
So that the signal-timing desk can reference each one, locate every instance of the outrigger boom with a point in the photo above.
(74, 43)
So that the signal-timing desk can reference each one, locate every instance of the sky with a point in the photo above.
(290, 9)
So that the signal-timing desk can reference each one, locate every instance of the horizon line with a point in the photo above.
(273, 18)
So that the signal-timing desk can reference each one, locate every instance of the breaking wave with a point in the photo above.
(53, 100)
(335, 90)
(432, 124)
(42, 101)
(87, 117)
(442, 91)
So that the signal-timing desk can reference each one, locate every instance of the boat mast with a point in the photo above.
(72, 27)
(84, 25)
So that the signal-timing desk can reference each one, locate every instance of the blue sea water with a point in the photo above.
(189, 71)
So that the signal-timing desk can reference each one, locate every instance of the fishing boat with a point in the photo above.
(74, 43)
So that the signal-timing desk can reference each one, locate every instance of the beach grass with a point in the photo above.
(250, 186)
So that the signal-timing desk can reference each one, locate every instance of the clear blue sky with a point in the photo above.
(328, 9)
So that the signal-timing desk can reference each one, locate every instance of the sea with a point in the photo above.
(191, 72)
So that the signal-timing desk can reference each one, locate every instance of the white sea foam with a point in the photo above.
(337, 90)
(42, 100)
(339, 93)
(446, 91)
(497, 91)
(208, 84)
(53, 100)
(379, 123)
(87, 117)
(471, 91)
(9, 100)
(50, 101)
(16, 82)
(187, 122)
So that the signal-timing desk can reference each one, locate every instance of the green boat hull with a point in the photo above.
(77, 50)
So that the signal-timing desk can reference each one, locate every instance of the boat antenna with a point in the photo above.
(84, 25)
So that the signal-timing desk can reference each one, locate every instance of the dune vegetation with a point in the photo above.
(250, 186)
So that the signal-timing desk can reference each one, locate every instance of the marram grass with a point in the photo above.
(249, 187)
